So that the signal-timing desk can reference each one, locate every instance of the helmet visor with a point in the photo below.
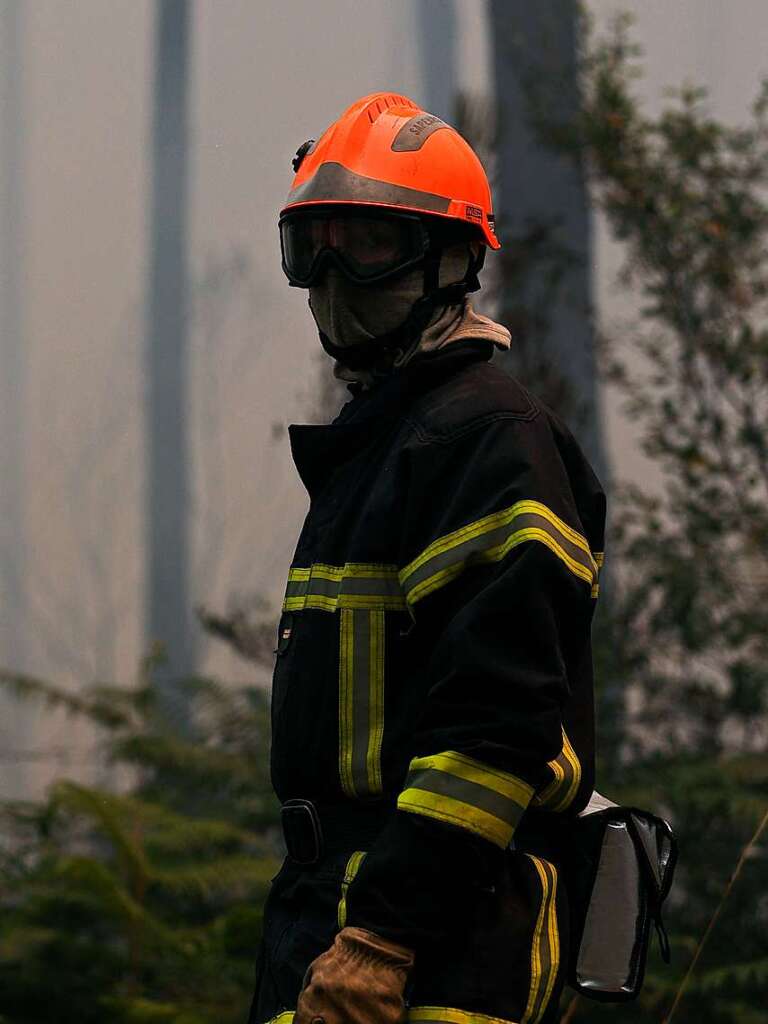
(366, 247)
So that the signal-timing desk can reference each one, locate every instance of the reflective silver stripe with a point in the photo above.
(346, 585)
(361, 701)
(416, 131)
(488, 540)
(354, 585)
(442, 784)
(334, 183)
(458, 789)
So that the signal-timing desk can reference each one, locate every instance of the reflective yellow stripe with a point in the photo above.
(496, 554)
(448, 1015)
(455, 788)
(361, 701)
(575, 780)
(376, 701)
(353, 864)
(559, 794)
(489, 539)
(295, 575)
(346, 699)
(421, 1014)
(554, 937)
(545, 947)
(360, 585)
(456, 812)
(332, 604)
(599, 558)
(353, 570)
(533, 992)
(492, 521)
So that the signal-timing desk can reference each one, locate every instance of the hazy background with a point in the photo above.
(76, 82)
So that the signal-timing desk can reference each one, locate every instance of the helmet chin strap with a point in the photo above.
(404, 337)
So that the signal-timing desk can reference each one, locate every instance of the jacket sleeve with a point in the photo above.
(499, 581)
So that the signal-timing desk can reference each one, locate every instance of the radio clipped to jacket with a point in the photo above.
(619, 871)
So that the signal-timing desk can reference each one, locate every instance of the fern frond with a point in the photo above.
(168, 754)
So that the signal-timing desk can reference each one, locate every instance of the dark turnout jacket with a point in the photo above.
(434, 648)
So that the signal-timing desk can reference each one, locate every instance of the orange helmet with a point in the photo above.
(386, 152)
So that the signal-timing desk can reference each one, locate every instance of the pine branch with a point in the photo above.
(108, 812)
(26, 687)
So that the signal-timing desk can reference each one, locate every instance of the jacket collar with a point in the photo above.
(393, 394)
(318, 450)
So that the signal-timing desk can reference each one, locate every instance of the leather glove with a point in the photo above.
(359, 980)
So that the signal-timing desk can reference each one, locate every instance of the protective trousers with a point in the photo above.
(504, 964)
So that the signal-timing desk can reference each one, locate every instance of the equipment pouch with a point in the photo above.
(618, 871)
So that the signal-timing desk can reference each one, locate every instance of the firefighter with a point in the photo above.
(432, 709)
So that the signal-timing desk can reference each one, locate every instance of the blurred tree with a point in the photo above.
(168, 608)
(143, 905)
(686, 629)
(436, 26)
(544, 287)
(13, 539)
(541, 282)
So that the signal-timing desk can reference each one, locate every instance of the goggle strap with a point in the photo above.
(475, 266)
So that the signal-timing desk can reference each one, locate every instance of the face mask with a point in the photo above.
(351, 314)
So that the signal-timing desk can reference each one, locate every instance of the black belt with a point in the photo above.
(313, 830)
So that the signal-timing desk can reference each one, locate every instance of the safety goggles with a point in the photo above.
(366, 247)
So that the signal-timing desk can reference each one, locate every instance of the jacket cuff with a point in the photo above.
(469, 794)
(420, 879)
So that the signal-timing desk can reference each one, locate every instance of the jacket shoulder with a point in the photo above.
(480, 393)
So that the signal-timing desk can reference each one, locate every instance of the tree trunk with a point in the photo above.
(12, 383)
(545, 226)
(544, 218)
(167, 605)
(436, 24)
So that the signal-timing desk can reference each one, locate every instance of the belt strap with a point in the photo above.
(313, 830)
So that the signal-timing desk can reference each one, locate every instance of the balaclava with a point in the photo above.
(351, 314)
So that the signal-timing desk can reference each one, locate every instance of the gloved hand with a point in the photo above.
(359, 980)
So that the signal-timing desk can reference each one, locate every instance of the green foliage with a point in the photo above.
(686, 627)
(142, 905)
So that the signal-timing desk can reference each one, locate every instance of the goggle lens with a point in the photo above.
(367, 248)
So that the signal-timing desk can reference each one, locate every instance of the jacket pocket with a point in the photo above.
(285, 633)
